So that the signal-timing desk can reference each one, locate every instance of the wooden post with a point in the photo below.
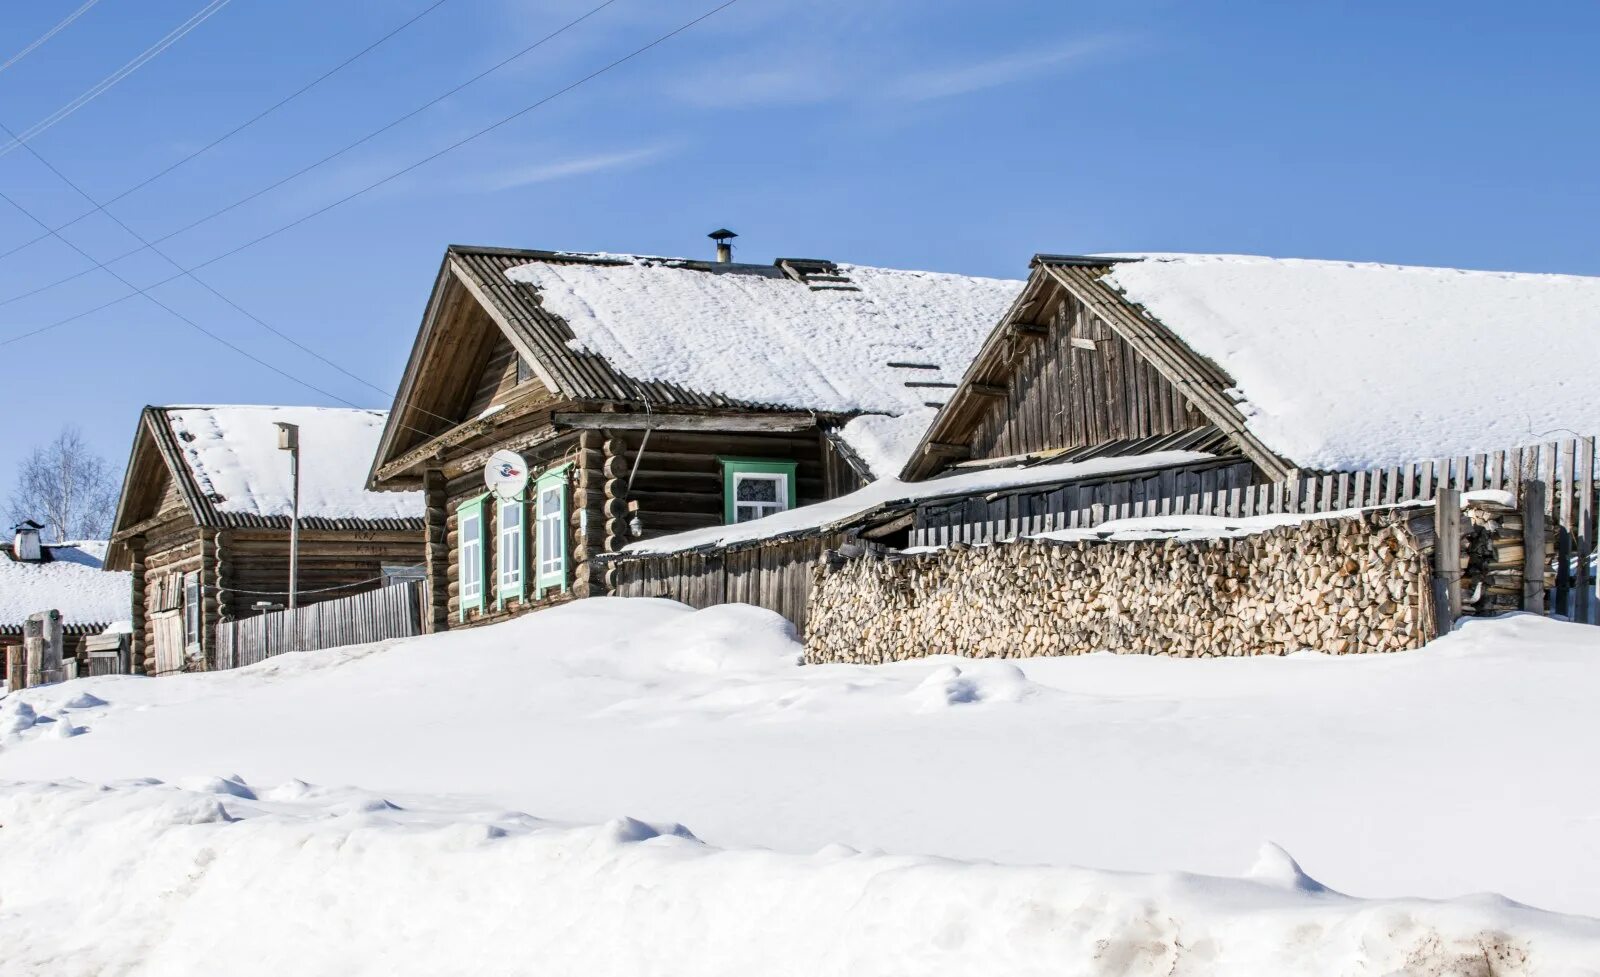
(1583, 609)
(436, 552)
(1533, 546)
(137, 640)
(1447, 559)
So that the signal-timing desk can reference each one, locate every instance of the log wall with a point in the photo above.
(1360, 584)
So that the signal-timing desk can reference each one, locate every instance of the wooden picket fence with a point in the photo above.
(394, 611)
(1565, 469)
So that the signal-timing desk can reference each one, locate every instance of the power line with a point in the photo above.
(375, 184)
(203, 284)
(308, 168)
(110, 81)
(52, 32)
(162, 305)
(280, 103)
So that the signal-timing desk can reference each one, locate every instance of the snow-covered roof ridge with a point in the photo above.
(1350, 365)
(70, 581)
(231, 452)
(806, 334)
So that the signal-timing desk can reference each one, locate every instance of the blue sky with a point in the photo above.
(956, 136)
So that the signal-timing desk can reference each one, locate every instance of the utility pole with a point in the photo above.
(289, 440)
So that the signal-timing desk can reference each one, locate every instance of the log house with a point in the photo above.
(203, 522)
(648, 397)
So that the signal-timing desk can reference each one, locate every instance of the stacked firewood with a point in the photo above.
(1492, 574)
(1358, 584)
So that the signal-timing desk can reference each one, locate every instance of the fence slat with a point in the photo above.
(376, 615)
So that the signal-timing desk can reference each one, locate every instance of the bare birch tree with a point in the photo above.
(67, 488)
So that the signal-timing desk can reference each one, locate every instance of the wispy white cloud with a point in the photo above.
(1004, 70)
(805, 77)
(522, 175)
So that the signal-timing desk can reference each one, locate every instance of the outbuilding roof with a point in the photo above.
(1328, 364)
(69, 579)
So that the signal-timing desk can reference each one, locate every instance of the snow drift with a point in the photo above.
(245, 879)
(1438, 773)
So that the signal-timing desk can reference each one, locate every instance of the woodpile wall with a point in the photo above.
(1360, 584)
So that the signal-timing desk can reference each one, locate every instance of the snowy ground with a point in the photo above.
(1461, 769)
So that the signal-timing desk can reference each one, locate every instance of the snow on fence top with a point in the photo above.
(1345, 365)
(234, 455)
(752, 333)
(70, 581)
(891, 492)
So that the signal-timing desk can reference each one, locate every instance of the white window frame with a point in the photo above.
(511, 552)
(737, 470)
(550, 536)
(470, 563)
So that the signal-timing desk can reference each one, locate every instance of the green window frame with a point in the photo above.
(511, 551)
(764, 469)
(472, 564)
(550, 537)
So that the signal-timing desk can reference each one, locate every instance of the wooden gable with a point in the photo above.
(1073, 369)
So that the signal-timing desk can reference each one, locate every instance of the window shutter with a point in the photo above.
(472, 565)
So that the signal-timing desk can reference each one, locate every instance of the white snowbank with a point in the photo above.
(1452, 770)
(1348, 365)
(755, 335)
(234, 455)
(71, 582)
(892, 491)
(226, 876)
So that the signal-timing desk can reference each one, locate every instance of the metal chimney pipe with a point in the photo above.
(724, 239)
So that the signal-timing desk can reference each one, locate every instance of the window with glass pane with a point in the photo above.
(552, 542)
(191, 608)
(471, 555)
(756, 487)
(755, 496)
(509, 552)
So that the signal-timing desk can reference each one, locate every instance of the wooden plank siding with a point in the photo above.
(775, 575)
(1079, 384)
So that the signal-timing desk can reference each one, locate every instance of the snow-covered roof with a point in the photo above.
(69, 581)
(888, 493)
(1346, 365)
(233, 455)
(834, 338)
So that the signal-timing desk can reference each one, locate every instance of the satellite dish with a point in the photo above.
(506, 475)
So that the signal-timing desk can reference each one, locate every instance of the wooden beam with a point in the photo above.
(987, 389)
(438, 448)
(1029, 329)
(685, 422)
(1533, 546)
(946, 450)
(1447, 560)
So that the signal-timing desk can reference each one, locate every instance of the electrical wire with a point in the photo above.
(213, 215)
(368, 188)
(275, 106)
(110, 81)
(64, 23)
